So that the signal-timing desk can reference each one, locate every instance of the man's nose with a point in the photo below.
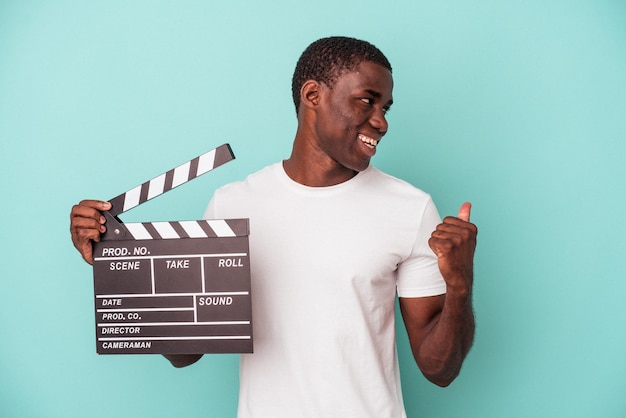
(379, 121)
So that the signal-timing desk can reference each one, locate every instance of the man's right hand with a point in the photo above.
(86, 225)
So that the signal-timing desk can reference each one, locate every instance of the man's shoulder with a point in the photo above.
(261, 178)
(394, 185)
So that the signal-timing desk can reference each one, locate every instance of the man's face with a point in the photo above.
(351, 118)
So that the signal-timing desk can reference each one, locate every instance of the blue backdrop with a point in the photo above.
(519, 107)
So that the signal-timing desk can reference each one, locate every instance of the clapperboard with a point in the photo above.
(173, 287)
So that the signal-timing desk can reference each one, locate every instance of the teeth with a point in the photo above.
(367, 140)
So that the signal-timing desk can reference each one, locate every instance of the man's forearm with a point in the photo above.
(441, 353)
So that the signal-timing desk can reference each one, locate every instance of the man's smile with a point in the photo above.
(370, 142)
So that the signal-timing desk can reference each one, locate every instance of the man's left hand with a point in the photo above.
(454, 242)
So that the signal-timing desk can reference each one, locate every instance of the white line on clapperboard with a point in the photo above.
(152, 281)
(208, 337)
(157, 324)
(135, 257)
(195, 306)
(150, 295)
(146, 310)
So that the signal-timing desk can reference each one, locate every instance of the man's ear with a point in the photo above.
(310, 93)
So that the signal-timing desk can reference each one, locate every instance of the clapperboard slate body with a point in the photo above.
(173, 287)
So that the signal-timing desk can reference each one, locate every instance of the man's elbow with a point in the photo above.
(182, 360)
(441, 380)
(441, 370)
(440, 373)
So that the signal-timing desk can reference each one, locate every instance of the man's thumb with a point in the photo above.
(464, 212)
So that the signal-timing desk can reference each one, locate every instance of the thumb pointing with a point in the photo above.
(464, 212)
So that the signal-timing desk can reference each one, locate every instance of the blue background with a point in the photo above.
(519, 107)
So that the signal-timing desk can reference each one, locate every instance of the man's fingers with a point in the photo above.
(87, 214)
(96, 204)
(464, 212)
(80, 223)
(86, 250)
(86, 225)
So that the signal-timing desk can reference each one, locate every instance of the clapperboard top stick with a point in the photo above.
(159, 185)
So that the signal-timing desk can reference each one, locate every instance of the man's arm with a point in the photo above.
(86, 225)
(441, 328)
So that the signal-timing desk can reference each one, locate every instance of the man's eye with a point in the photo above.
(366, 100)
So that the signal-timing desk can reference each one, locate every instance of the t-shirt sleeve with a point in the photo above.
(209, 212)
(419, 275)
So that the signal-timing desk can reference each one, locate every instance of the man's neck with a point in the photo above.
(316, 174)
(308, 164)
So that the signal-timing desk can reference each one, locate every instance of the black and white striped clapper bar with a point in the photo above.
(173, 287)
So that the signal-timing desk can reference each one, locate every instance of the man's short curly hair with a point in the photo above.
(328, 58)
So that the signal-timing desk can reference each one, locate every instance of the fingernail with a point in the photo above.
(102, 219)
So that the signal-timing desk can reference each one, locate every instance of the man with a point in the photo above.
(332, 241)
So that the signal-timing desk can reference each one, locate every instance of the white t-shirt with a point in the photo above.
(325, 267)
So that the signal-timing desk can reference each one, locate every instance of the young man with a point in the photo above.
(332, 241)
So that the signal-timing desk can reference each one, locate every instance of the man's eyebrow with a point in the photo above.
(373, 93)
